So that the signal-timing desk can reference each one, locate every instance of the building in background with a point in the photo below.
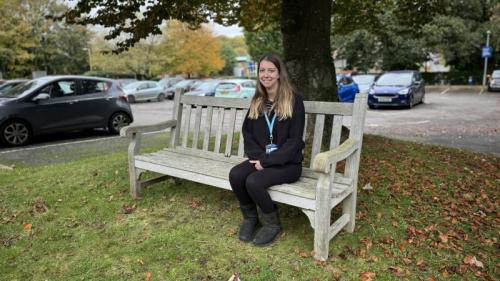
(245, 67)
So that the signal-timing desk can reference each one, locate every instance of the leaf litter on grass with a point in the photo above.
(430, 212)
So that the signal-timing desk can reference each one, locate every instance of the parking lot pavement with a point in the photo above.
(468, 120)
(462, 117)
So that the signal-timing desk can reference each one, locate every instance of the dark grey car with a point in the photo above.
(59, 104)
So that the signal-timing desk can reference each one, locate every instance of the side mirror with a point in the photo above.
(42, 96)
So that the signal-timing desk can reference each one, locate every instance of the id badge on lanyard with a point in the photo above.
(271, 146)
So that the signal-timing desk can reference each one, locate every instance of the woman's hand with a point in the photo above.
(257, 165)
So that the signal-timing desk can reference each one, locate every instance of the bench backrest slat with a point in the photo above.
(304, 135)
(229, 114)
(197, 124)
(230, 133)
(187, 123)
(241, 151)
(208, 127)
(218, 136)
(318, 135)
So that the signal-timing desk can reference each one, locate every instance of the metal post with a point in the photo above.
(486, 58)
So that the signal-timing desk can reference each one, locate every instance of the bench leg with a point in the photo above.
(322, 218)
(135, 184)
(321, 236)
(349, 208)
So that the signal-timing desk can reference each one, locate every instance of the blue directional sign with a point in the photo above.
(487, 52)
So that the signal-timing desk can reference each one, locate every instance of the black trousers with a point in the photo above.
(250, 185)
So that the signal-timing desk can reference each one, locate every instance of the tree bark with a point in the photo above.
(305, 26)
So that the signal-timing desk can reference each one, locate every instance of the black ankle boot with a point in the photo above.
(250, 220)
(271, 227)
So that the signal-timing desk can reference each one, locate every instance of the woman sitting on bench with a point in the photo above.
(272, 132)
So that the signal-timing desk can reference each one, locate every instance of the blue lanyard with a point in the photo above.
(270, 126)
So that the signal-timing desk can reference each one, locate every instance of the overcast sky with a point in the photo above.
(229, 31)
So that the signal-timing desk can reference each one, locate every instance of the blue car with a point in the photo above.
(397, 88)
(346, 89)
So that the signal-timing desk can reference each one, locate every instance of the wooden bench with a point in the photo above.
(319, 189)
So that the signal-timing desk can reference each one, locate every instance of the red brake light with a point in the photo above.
(122, 95)
(238, 88)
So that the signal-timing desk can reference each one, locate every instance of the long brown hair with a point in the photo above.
(283, 102)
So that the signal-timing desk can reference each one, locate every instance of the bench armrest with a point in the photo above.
(134, 129)
(323, 160)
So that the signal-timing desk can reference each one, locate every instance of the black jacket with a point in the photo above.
(287, 135)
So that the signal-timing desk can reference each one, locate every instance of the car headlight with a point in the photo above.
(404, 91)
(371, 92)
(492, 82)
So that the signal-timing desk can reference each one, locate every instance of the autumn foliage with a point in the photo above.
(191, 52)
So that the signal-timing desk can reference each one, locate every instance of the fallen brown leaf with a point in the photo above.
(128, 209)
(304, 254)
(147, 276)
(398, 271)
(443, 237)
(194, 204)
(366, 276)
(26, 226)
(234, 277)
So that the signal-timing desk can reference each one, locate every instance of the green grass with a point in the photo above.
(429, 209)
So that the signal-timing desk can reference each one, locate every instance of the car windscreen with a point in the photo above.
(226, 86)
(132, 85)
(183, 83)
(20, 89)
(363, 79)
(394, 79)
(496, 74)
(207, 86)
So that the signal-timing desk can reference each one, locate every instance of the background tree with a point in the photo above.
(140, 61)
(191, 52)
(15, 41)
(266, 40)
(459, 32)
(230, 49)
(228, 54)
(29, 41)
(360, 48)
(406, 31)
(305, 27)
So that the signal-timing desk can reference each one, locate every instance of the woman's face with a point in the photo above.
(269, 75)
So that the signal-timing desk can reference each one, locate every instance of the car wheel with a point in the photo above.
(15, 133)
(131, 99)
(161, 97)
(118, 121)
(410, 104)
(371, 106)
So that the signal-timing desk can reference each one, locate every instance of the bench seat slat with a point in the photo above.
(305, 187)
(306, 172)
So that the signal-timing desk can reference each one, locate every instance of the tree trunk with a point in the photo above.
(305, 26)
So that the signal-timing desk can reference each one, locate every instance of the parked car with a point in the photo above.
(364, 81)
(346, 89)
(144, 91)
(494, 83)
(187, 85)
(11, 83)
(122, 82)
(397, 88)
(61, 103)
(236, 88)
(169, 82)
(205, 88)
